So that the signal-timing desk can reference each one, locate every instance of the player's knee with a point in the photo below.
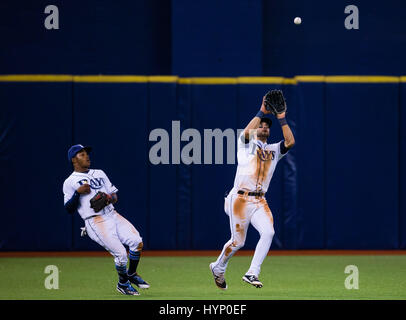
(136, 244)
(268, 234)
(120, 258)
(238, 244)
(140, 246)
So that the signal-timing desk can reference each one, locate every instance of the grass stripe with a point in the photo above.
(182, 278)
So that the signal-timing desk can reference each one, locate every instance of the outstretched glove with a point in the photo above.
(275, 102)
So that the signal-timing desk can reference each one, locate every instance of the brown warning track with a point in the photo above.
(194, 253)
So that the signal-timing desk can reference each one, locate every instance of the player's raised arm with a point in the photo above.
(275, 102)
(255, 122)
(287, 133)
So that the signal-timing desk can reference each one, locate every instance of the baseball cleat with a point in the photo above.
(127, 289)
(138, 281)
(253, 280)
(218, 279)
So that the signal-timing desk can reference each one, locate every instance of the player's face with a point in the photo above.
(263, 131)
(82, 159)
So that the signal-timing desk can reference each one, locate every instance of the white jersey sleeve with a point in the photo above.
(68, 190)
(244, 149)
(109, 186)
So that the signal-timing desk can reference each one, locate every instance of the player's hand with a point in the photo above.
(84, 189)
(263, 109)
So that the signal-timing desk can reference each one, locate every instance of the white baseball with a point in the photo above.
(297, 20)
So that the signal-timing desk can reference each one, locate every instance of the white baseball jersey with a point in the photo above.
(256, 164)
(98, 181)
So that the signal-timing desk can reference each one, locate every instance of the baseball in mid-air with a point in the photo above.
(297, 20)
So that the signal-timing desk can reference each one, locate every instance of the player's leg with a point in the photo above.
(262, 220)
(237, 241)
(102, 229)
(237, 208)
(130, 237)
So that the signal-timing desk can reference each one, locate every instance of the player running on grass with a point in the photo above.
(246, 202)
(91, 193)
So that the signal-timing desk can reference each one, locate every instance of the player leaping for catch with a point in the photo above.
(91, 193)
(246, 202)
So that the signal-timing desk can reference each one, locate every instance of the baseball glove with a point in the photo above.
(99, 201)
(275, 102)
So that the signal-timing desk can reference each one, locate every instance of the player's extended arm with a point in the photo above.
(255, 122)
(287, 133)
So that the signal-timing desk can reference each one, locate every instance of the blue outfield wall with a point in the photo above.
(310, 147)
(362, 168)
(402, 168)
(340, 187)
(162, 183)
(35, 129)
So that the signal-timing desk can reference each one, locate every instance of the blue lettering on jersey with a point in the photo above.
(265, 155)
(262, 154)
(97, 183)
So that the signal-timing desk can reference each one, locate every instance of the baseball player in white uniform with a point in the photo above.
(107, 227)
(246, 202)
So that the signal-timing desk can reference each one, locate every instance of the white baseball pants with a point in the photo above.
(242, 211)
(112, 231)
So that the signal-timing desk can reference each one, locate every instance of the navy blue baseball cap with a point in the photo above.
(267, 120)
(75, 149)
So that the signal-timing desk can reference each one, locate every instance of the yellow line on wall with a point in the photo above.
(199, 80)
(361, 79)
(85, 78)
(208, 80)
(310, 78)
(261, 80)
(165, 79)
(403, 79)
(102, 78)
(36, 78)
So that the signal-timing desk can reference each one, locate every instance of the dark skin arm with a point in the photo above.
(84, 189)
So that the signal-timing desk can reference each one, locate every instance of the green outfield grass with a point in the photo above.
(173, 278)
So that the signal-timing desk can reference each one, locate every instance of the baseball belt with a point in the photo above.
(250, 193)
(95, 215)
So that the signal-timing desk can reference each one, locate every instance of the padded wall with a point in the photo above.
(362, 166)
(340, 187)
(35, 128)
(310, 147)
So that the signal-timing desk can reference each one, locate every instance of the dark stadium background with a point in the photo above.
(341, 187)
